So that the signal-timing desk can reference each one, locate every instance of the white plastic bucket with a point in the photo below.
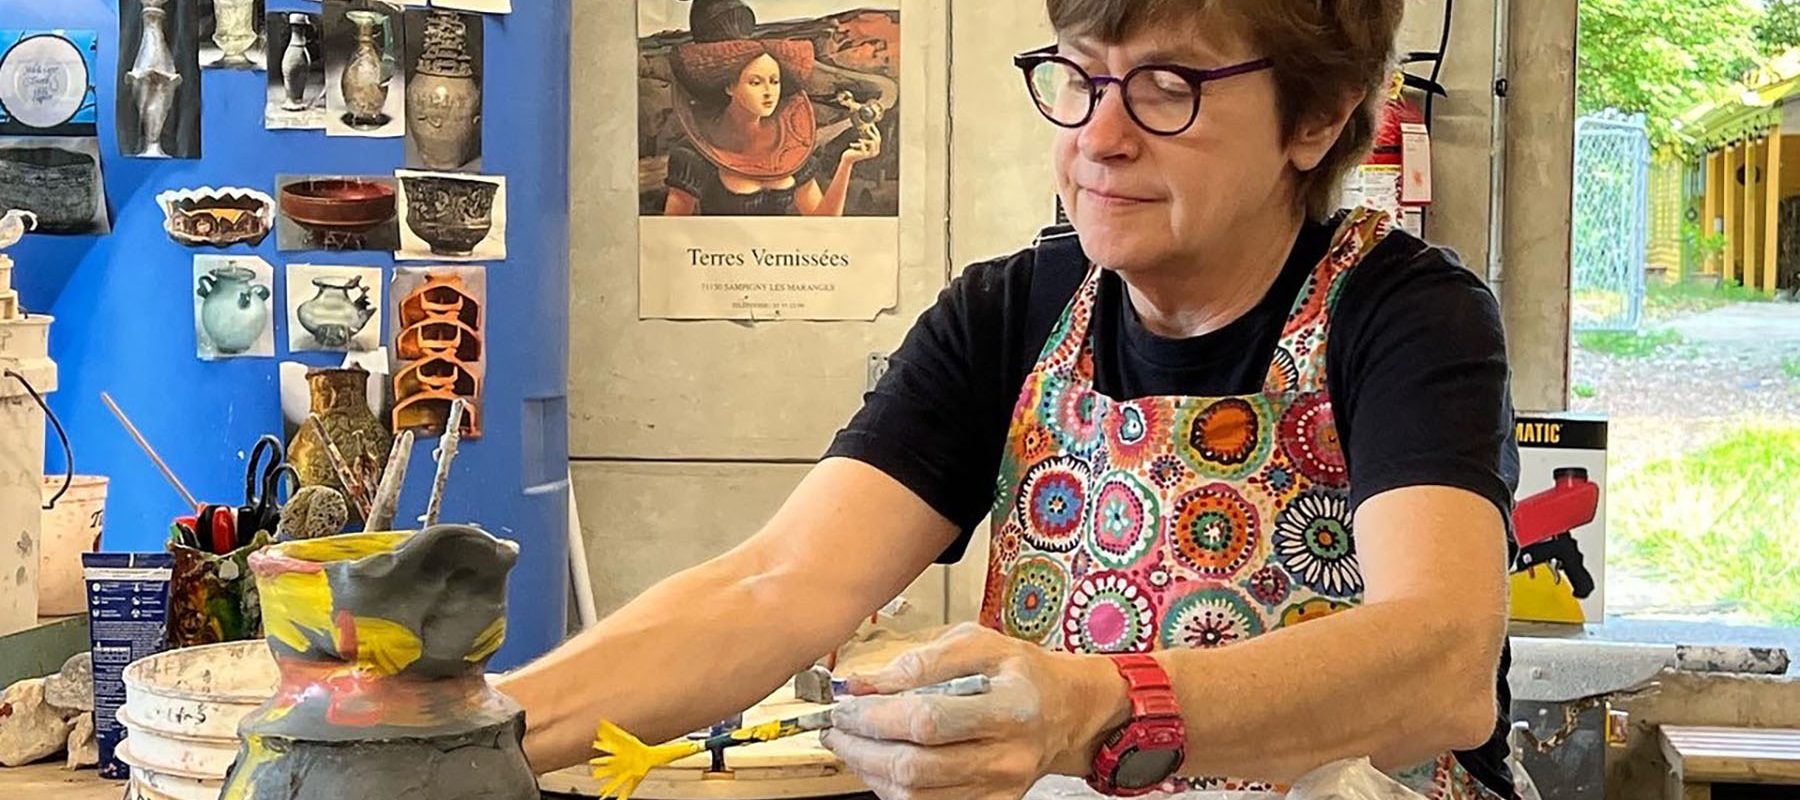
(200, 692)
(148, 784)
(69, 529)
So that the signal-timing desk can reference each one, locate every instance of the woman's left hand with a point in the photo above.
(1044, 714)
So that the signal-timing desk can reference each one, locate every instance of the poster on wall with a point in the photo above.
(769, 159)
(365, 89)
(337, 212)
(58, 179)
(47, 83)
(336, 309)
(234, 298)
(159, 79)
(444, 67)
(448, 216)
(232, 34)
(296, 74)
(439, 347)
(484, 6)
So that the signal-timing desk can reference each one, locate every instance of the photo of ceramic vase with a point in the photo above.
(153, 78)
(451, 215)
(443, 100)
(334, 316)
(340, 399)
(235, 310)
(364, 82)
(382, 642)
(297, 62)
(234, 31)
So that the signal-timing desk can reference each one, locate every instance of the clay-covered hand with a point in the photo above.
(1043, 714)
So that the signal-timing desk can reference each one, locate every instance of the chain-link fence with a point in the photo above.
(1612, 220)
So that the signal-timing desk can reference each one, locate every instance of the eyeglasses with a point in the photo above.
(1163, 99)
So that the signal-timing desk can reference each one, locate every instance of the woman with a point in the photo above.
(1253, 456)
(749, 133)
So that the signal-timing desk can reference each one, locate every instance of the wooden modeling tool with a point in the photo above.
(387, 498)
(628, 761)
(446, 453)
(354, 490)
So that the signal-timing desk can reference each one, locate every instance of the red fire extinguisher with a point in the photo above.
(1396, 176)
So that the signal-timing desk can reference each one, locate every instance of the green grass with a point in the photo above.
(1718, 524)
(1665, 300)
(1584, 391)
(1790, 366)
(1626, 344)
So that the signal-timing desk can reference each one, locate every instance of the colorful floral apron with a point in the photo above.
(1169, 522)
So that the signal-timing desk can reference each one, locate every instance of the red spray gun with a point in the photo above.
(1543, 523)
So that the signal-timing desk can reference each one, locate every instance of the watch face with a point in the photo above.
(1141, 769)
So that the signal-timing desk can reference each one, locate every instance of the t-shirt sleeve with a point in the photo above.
(937, 421)
(1419, 372)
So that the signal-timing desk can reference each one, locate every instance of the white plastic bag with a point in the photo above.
(1354, 779)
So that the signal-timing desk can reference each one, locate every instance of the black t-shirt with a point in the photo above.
(1415, 365)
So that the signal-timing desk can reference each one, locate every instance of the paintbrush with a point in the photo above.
(628, 761)
(168, 474)
(353, 486)
(445, 453)
(387, 498)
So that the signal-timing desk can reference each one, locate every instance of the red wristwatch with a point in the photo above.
(1150, 747)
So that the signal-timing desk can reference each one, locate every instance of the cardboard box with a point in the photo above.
(1560, 519)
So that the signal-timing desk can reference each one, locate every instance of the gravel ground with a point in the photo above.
(1730, 368)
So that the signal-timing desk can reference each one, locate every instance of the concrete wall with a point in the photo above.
(1638, 769)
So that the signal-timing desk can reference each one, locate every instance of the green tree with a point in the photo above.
(1660, 57)
(1779, 30)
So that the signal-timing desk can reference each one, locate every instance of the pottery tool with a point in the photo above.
(387, 498)
(627, 761)
(262, 507)
(817, 686)
(313, 512)
(144, 444)
(445, 453)
(354, 491)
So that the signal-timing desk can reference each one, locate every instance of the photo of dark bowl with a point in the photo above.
(338, 205)
(62, 187)
(450, 214)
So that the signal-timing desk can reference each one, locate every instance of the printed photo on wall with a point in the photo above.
(365, 89)
(159, 79)
(439, 350)
(47, 83)
(234, 298)
(231, 34)
(484, 6)
(769, 159)
(443, 90)
(296, 73)
(452, 217)
(336, 309)
(337, 212)
(58, 179)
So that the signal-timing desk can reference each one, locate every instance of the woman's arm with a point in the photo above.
(718, 638)
(812, 203)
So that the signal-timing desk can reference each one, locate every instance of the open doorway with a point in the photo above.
(1686, 333)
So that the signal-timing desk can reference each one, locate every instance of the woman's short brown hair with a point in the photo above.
(1324, 51)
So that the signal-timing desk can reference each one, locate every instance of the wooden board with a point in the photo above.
(1733, 755)
(50, 780)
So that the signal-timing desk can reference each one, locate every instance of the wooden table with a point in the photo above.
(1701, 756)
(49, 781)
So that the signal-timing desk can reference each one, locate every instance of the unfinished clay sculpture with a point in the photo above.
(382, 641)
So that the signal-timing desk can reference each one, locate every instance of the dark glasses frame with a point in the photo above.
(1029, 61)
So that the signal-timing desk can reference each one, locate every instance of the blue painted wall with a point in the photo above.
(124, 318)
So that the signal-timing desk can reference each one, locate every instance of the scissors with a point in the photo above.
(262, 488)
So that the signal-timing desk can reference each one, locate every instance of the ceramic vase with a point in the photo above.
(296, 63)
(453, 216)
(364, 83)
(339, 311)
(234, 311)
(153, 79)
(443, 99)
(381, 641)
(340, 399)
(234, 31)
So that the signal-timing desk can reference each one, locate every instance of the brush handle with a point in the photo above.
(968, 686)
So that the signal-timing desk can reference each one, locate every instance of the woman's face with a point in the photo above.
(1146, 202)
(758, 88)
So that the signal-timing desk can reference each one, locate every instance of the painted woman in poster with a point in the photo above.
(750, 141)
